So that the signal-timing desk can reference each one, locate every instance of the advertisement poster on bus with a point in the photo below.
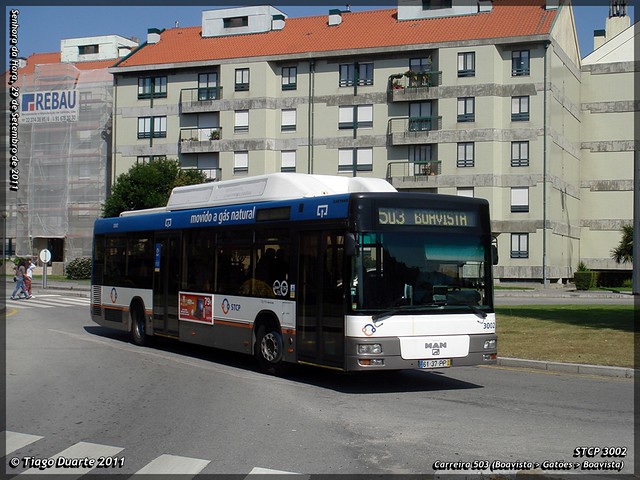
(195, 307)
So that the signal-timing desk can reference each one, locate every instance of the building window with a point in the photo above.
(520, 63)
(288, 120)
(241, 123)
(420, 119)
(240, 162)
(466, 109)
(152, 127)
(235, 22)
(519, 109)
(365, 74)
(288, 161)
(144, 159)
(465, 155)
(152, 87)
(242, 80)
(356, 73)
(207, 86)
(436, 4)
(520, 199)
(289, 78)
(88, 49)
(420, 64)
(467, 64)
(355, 160)
(519, 245)
(347, 75)
(355, 116)
(85, 101)
(519, 154)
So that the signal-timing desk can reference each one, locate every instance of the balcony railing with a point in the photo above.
(412, 84)
(408, 130)
(418, 170)
(200, 140)
(193, 100)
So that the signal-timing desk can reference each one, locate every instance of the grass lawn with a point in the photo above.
(590, 334)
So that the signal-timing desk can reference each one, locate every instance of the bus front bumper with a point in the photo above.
(386, 354)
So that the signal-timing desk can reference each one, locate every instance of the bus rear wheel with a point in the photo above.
(138, 331)
(269, 349)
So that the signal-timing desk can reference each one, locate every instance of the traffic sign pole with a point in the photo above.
(45, 257)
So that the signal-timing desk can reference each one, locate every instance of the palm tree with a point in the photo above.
(623, 253)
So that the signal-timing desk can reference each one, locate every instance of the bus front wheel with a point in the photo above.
(269, 349)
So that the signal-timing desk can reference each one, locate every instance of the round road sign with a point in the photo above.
(45, 255)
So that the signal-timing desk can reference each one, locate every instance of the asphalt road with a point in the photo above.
(81, 391)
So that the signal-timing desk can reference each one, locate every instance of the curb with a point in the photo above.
(576, 368)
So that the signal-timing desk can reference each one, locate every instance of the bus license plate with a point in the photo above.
(436, 363)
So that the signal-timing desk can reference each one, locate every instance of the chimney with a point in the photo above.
(617, 22)
(153, 35)
(335, 17)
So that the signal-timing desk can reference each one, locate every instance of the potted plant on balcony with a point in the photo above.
(215, 135)
(423, 79)
(412, 77)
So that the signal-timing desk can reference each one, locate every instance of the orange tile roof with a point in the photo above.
(358, 30)
(54, 58)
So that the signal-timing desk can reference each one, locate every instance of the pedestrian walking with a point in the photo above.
(28, 279)
(20, 272)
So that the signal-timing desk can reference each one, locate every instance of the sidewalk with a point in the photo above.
(537, 290)
(82, 289)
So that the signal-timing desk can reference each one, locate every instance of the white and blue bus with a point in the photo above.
(343, 273)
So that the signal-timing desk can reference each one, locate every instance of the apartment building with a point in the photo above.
(485, 98)
(608, 139)
(64, 133)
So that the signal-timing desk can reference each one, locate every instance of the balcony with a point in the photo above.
(199, 100)
(416, 171)
(410, 86)
(410, 130)
(200, 140)
(212, 174)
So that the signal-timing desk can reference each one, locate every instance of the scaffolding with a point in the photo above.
(65, 163)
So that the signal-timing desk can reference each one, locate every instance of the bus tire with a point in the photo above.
(269, 349)
(138, 329)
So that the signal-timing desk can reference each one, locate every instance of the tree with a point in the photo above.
(148, 185)
(623, 253)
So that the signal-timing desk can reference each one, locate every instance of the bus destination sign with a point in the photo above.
(428, 217)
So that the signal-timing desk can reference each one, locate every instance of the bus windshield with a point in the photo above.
(396, 270)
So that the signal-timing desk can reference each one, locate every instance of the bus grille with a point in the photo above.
(96, 300)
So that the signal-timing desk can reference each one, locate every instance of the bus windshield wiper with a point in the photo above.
(480, 313)
(401, 309)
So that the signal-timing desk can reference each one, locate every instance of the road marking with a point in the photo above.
(79, 450)
(51, 301)
(174, 465)
(16, 441)
(269, 474)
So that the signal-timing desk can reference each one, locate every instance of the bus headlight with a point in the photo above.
(490, 344)
(369, 349)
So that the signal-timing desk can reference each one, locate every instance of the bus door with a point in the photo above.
(320, 299)
(166, 284)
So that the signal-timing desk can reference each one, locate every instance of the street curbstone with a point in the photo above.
(574, 368)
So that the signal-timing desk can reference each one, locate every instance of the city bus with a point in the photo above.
(344, 273)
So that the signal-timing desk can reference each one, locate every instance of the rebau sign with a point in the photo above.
(54, 106)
